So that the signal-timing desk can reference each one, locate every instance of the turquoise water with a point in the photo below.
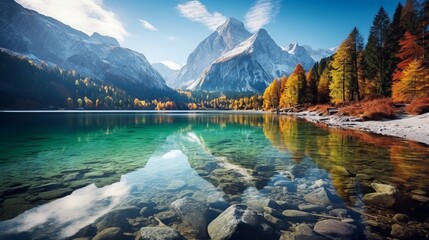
(67, 175)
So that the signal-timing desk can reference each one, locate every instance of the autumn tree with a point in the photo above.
(323, 87)
(272, 95)
(410, 50)
(344, 86)
(311, 87)
(414, 82)
(295, 90)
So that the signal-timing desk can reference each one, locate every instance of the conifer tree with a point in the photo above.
(272, 95)
(323, 87)
(311, 87)
(295, 91)
(410, 50)
(414, 82)
(377, 55)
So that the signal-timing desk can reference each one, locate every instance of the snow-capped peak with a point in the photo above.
(105, 39)
(292, 48)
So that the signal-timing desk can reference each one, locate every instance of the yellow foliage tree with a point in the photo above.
(413, 82)
(272, 95)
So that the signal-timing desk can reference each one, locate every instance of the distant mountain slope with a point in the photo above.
(167, 73)
(30, 33)
(250, 66)
(319, 53)
(225, 38)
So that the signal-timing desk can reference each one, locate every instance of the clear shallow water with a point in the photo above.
(71, 175)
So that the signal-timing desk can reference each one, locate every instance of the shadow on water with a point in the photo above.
(67, 175)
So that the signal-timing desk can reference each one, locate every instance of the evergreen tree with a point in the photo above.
(409, 18)
(396, 32)
(377, 55)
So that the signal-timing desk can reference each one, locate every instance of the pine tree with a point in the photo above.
(409, 18)
(396, 32)
(377, 55)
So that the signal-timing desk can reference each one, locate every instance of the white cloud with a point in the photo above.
(261, 14)
(196, 11)
(171, 65)
(147, 25)
(173, 38)
(88, 16)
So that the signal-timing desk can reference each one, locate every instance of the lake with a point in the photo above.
(93, 174)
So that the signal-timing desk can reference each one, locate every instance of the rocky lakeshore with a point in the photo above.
(415, 128)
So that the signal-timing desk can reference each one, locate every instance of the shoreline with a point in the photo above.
(414, 128)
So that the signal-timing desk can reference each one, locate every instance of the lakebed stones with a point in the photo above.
(160, 233)
(334, 229)
(193, 213)
(111, 233)
(176, 185)
(240, 222)
(296, 215)
(384, 195)
(320, 196)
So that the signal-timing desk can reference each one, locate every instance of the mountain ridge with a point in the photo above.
(29, 33)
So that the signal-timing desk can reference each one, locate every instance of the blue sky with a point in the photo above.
(168, 30)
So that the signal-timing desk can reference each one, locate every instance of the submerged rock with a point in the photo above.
(176, 185)
(192, 213)
(401, 232)
(111, 233)
(320, 196)
(160, 233)
(334, 229)
(420, 198)
(240, 222)
(384, 188)
(296, 215)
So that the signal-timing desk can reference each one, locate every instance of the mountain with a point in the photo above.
(37, 36)
(319, 53)
(301, 54)
(250, 66)
(225, 38)
(167, 73)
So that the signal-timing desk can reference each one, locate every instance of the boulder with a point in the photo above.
(160, 233)
(420, 198)
(384, 188)
(112, 219)
(111, 233)
(296, 215)
(176, 185)
(192, 213)
(319, 196)
(334, 229)
(401, 232)
(260, 204)
(379, 199)
(240, 222)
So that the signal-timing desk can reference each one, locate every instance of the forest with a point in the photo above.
(393, 64)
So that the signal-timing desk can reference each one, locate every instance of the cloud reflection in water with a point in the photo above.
(71, 213)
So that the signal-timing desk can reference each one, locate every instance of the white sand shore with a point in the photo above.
(415, 128)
